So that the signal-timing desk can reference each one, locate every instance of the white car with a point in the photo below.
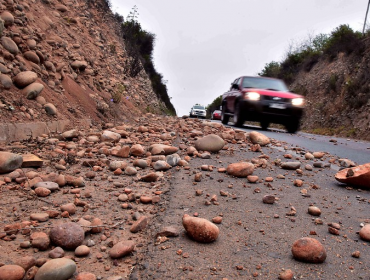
(198, 111)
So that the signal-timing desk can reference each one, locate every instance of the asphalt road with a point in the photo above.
(355, 150)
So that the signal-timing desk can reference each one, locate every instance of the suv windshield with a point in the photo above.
(264, 83)
(198, 107)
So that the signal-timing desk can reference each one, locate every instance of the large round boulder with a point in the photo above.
(56, 269)
(67, 235)
(210, 143)
(24, 79)
(200, 229)
(309, 250)
(11, 272)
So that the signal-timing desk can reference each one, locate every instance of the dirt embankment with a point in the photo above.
(63, 60)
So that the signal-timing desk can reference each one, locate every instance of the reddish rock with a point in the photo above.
(85, 276)
(358, 176)
(151, 177)
(365, 232)
(69, 207)
(217, 220)
(200, 229)
(67, 235)
(82, 251)
(240, 169)
(40, 240)
(122, 249)
(11, 272)
(124, 152)
(145, 199)
(286, 275)
(252, 178)
(259, 138)
(314, 211)
(139, 225)
(308, 250)
(26, 262)
(42, 192)
(137, 150)
(160, 149)
(268, 199)
(169, 231)
(97, 225)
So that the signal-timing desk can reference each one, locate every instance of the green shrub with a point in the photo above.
(271, 69)
(343, 39)
(215, 105)
(139, 47)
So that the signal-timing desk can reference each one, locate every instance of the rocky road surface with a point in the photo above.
(110, 204)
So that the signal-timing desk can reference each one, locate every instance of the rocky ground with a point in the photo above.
(166, 198)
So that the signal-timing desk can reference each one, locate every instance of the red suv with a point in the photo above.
(264, 100)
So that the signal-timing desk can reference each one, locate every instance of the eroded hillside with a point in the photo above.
(64, 60)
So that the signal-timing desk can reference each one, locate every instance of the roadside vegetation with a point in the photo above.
(215, 105)
(304, 55)
(339, 86)
(139, 45)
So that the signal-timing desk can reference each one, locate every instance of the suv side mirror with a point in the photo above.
(235, 86)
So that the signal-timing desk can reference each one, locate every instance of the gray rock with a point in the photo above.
(9, 162)
(57, 252)
(48, 185)
(40, 217)
(161, 165)
(6, 81)
(110, 136)
(9, 45)
(32, 56)
(4, 69)
(210, 143)
(7, 18)
(56, 269)
(291, 165)
(70, 134)
(173, 159)
(50, 109)
(1, 27)
(33, 90)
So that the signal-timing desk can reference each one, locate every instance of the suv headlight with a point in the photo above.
(255, 96)
(297, 101)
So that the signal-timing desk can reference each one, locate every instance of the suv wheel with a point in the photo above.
(238, 115)
(292, 126)
(264, 125)
(224, 117)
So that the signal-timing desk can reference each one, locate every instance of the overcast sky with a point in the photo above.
(203, 45)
